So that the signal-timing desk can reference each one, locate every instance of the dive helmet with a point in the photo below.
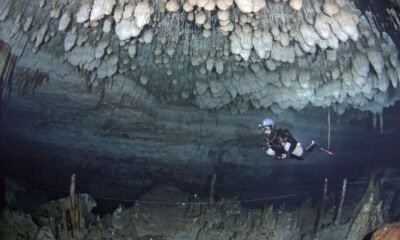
(267, 123)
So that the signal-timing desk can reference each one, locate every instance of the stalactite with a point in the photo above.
(374, 121)
(381, 121)
(28, 79)
(7, 64)
(339, 209)
(5, 54)
(101, 89)
(127, 100)
(85, 83)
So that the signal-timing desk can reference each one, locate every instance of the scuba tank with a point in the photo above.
(298, 151)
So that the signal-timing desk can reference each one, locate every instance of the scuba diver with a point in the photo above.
(280, 144)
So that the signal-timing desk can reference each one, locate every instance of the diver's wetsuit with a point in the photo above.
(277, 139)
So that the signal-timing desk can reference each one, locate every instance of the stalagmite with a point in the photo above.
(322, 208)
(340, 206)
(72, 214)
(214, 178)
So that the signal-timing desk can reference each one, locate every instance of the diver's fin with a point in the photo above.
(315, 144)
(327, 151)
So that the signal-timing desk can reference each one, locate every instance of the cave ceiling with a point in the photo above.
(213, 54)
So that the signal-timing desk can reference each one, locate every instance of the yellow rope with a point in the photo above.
(329, 128)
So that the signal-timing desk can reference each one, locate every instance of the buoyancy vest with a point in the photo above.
(277, 139)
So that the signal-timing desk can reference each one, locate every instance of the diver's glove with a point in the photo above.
(266, 146)
(282, 156)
